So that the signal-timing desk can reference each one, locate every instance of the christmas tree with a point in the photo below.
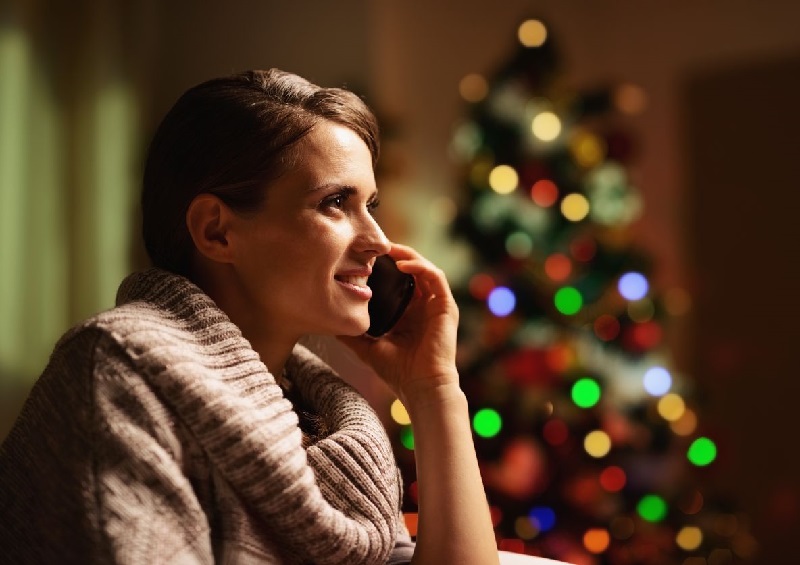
(591, 446)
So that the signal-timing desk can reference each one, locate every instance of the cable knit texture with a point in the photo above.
(156, 435)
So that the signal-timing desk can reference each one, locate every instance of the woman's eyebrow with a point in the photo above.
(332, 185)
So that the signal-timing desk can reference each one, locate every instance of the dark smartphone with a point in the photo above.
(391, 293)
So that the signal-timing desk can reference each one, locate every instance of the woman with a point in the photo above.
(186, 426)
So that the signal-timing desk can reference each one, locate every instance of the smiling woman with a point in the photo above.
(187, 425)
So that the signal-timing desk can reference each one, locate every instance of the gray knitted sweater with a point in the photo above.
(156, 435)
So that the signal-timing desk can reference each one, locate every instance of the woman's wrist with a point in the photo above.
(433, 394)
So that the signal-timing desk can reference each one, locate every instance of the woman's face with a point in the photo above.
(304, 257)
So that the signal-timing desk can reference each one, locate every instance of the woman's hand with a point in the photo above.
(418, 354)
(417, 359)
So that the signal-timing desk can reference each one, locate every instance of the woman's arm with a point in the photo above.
(454, 521)
(417, 360)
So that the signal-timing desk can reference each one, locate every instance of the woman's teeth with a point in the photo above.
(354, 280)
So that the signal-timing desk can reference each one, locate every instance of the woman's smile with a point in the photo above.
(355, 282)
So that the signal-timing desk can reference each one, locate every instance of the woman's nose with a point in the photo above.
(372, 238)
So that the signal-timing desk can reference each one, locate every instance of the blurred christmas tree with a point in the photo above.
(591, 448)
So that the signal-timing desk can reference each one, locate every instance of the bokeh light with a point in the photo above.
(519, 244)
(686, 424)
(689, 538)
(575, 207)
(467, 140)
(586, 392)
(633, 286)
(399, 413)
(532, 33)
(596, 540)
(543, 518)
(558, 267)
(568, 301)
(630, 99)
(503, 179)
(407, 437)
(671, 407)
(657, 381)
(652, 508)
(473, 87)
(546, 126)
(501, 301)
(702, 452)
(587, 149)
(544, 192)
(597, 443)
(613, 478)
(524, 528)
(487, 422)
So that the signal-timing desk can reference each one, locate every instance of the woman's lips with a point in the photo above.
(356, 284)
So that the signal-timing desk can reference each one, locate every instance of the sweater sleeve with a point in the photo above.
(91, 471)
(145, 504)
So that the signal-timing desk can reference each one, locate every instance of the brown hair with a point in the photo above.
(231, 137)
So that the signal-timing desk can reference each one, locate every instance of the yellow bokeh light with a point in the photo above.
(503, 179)
(686, 424)
(689, 538)
(596, 540)
(588, 149)
(671, 407)
(546, 126)
(630, 99)
(399, 413)
(575, 207)
(473, 87)
(532, 33)
(597, 443)
(525, 529)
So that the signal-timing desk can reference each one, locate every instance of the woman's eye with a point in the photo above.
(372, 205)
(335, 201)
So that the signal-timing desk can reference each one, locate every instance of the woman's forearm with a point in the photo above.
(454, 520)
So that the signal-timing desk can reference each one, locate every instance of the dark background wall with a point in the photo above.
(741, 133)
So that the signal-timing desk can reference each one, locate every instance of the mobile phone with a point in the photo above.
(391, 292)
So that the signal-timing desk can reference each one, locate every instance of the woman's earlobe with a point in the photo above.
(207, 222)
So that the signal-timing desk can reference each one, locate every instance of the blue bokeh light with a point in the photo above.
(657, 381)
(501, 301)
(543, 517)
(633, 286)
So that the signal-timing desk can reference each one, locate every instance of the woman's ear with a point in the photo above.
(208, 220)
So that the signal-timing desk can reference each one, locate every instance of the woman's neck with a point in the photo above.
(267, 338)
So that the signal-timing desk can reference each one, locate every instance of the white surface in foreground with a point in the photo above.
(509, 558)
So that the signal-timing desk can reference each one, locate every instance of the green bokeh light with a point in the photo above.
(586, 392)
(702, 452)
(407, 437)
(652, 508)
(487, 422)
(568, 301)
